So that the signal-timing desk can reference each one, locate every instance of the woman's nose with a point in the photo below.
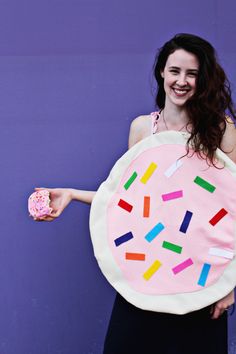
(182, 80)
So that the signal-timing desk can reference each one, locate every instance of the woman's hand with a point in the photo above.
(60, 198)
(222, 305)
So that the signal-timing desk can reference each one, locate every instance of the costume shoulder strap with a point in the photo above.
(154, 118)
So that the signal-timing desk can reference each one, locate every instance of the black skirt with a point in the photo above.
(133, 331)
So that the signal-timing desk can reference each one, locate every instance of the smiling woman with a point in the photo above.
(193, 97)
(193, 90)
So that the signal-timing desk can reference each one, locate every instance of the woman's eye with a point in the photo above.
(174, 71)
(192, 74)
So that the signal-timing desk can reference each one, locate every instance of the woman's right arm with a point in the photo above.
(82, 196)
(61, 197)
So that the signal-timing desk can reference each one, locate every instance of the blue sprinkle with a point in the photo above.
(185, 223)
(154, 232)
(204, 274)
(124, 238)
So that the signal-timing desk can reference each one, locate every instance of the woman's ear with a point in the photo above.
(162, 74)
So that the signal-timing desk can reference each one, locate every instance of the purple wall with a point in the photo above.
(73, 76)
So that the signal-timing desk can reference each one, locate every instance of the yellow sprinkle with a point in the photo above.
(148, 173)
(154, 267)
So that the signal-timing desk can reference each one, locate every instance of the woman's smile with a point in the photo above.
(180, 92)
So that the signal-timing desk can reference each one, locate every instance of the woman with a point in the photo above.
(193, 95)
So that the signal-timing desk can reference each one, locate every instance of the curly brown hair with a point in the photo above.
(208, 107)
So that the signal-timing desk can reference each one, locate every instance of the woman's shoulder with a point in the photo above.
(146, 121)
(142, 119)
(141, 127)
(230, 126)
(142, 123)
(228, 144)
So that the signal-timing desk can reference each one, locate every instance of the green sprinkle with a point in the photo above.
(204, 184)
(172, 247)
(130, 180)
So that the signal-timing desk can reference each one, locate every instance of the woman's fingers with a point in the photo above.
(223, 305)
(45, 218)
(41, 188)
(218, 311)
(48, 217)
(55, 214)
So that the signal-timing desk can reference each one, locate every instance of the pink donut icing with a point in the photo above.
(38, 203)
(174, 260)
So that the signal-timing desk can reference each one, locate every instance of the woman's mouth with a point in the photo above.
(180, 92)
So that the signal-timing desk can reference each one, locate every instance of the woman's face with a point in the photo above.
(180, 76)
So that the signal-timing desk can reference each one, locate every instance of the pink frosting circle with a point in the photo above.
(182, 261)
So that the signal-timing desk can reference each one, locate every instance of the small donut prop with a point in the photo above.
(39, 204)
(163, 226)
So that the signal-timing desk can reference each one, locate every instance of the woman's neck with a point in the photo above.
(175, 116)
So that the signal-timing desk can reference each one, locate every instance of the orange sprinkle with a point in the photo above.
(146, 207)
(135, 256)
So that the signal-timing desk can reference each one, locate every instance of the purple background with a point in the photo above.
(73, 74)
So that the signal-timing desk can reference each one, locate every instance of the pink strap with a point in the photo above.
(154, 117)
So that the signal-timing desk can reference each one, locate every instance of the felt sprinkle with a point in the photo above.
(151, 235)
(152, 270)
(124, 238)
(218, 216)
(173, 168)
(204, 184)
(150, 170)
(220, 252)
(172, 247)
(204, 274)
(124, 205)
(172, 195)
(146, 207)
(180, 267)
(135, 256)
(186, 221)
(130, 180)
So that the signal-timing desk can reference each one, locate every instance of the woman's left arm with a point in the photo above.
(229, 147)
(228, 144)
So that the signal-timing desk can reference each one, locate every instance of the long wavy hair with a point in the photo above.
(208, 107)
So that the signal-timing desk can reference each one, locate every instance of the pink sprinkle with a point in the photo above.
(172, 195)
(182, 266)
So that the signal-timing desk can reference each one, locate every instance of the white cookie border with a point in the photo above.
(177, 303)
